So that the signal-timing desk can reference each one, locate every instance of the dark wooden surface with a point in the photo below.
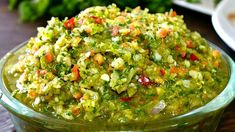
(13, 32)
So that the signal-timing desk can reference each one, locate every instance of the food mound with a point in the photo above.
(118, 66)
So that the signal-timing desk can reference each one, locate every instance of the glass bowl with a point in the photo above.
(205, 118)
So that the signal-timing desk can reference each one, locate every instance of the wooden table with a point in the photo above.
(13, 32)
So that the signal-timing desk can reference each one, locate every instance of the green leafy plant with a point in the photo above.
(31, 10)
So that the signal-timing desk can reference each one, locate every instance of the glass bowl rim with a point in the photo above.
(16, 107)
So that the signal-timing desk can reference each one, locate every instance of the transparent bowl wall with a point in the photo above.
(205, 118)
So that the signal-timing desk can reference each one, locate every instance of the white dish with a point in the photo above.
(225, 26)
(205, 6)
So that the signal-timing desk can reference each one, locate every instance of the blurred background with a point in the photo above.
(19, 20)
